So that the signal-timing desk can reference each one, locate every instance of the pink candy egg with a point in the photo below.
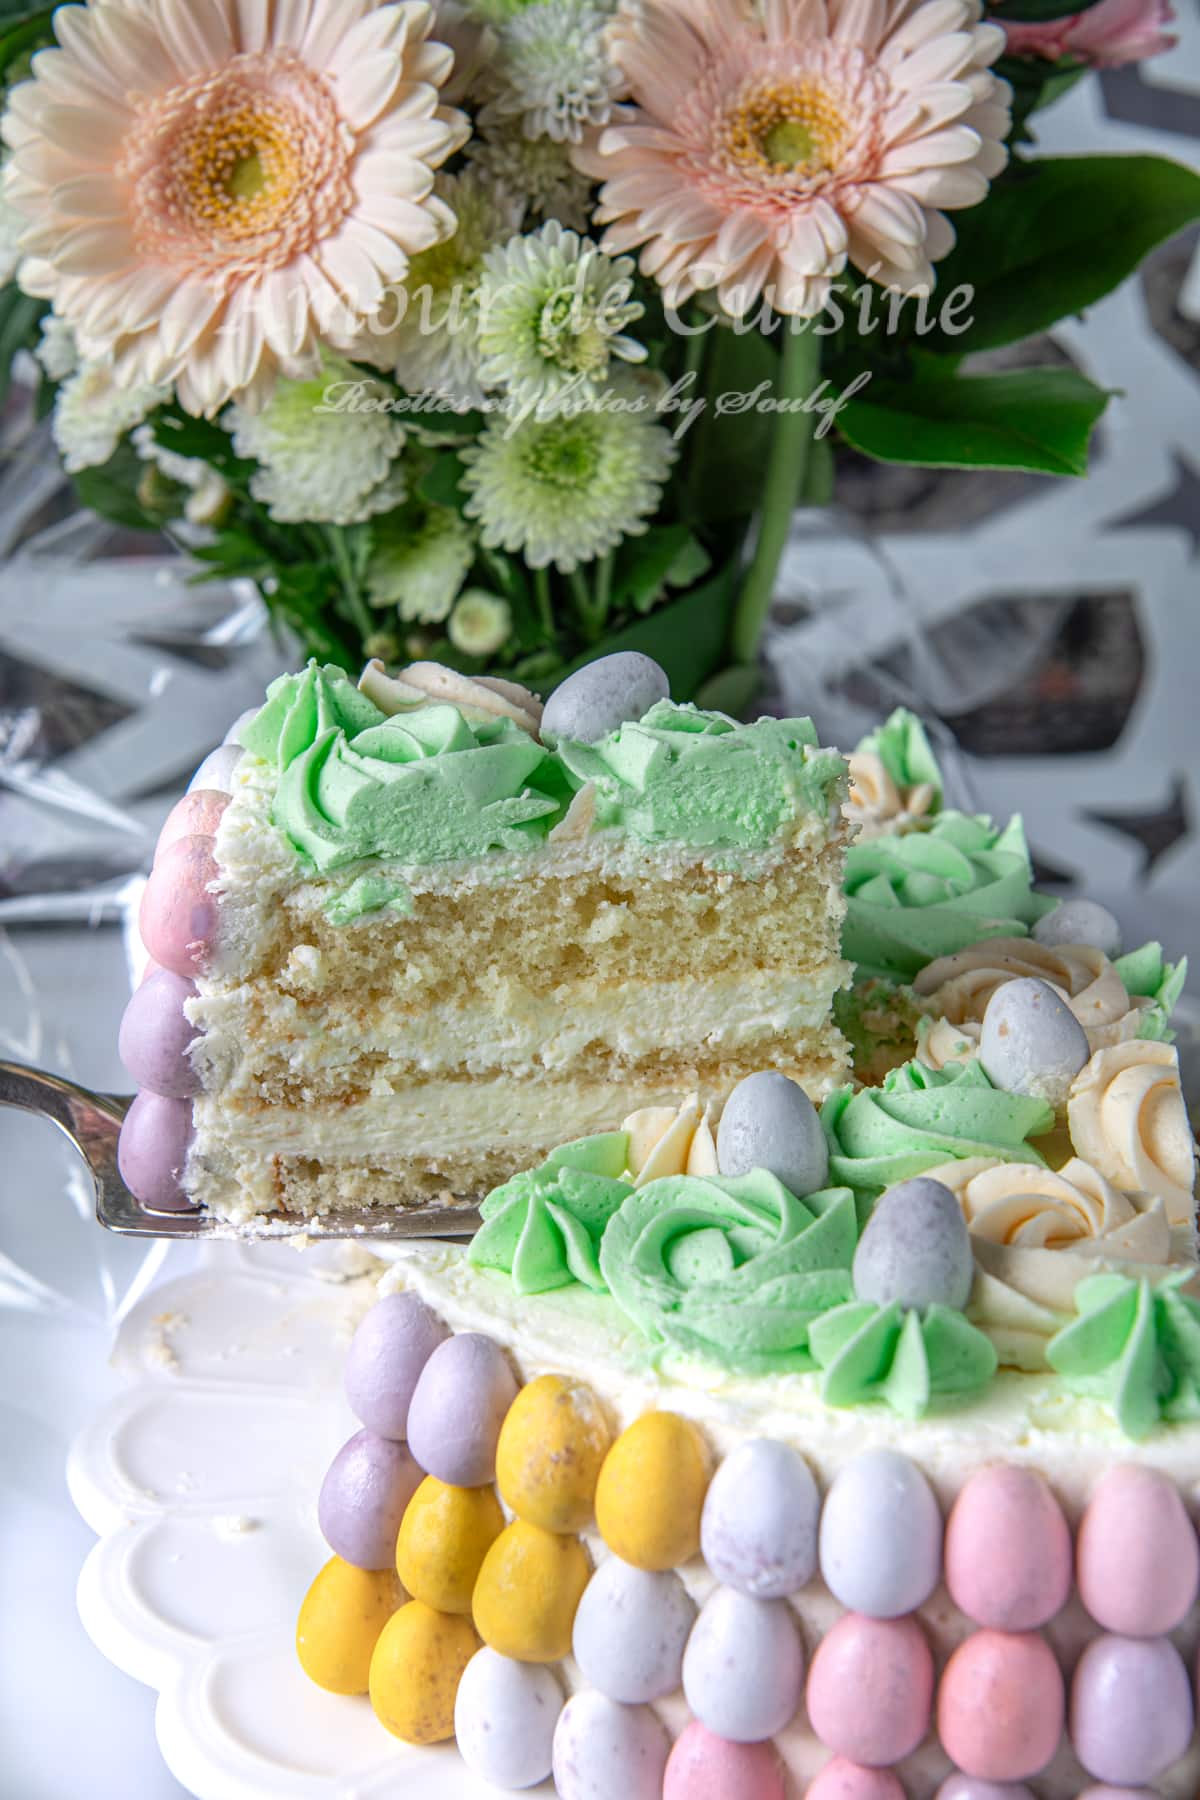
(178, 920)
(966, 1787)
(152, 1150)
(703, 1766)
(844, 1780)
(1137, 1560)
(197, 815)
(156, 1034)
(1131, 1709)
(870, 1689)
(1001, 1705)
(1008, 1550)
(1100, 1792)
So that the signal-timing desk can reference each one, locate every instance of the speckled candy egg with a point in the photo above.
(385, 1360)
(651, 1490)
(457, 1409)
(156, 1036)
(966, 1787)
(1131, 1709)
(769, 1122)
(916, 1249)
(881, 1536)
(631, 1630)
(343, 1613)
(415, 1671)
(362, 1500)
(870, 1689)
(504, 1718)
(758, 1530)
(217, 769)
(743, 1669)
(1136, 1557)
(1008, 1550)
(1001, 1705)
(606, 1751)
(602, 696)
(530, 1584)
(444, 1536)
(551, 1449)
(179, 912)
(844, 1780)
(1101, 1791)
(1080, 922)
(1030, 1041)
(705, 1767)
(198, 814)
(152, 1151)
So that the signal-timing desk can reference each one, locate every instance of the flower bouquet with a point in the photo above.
(508, 333)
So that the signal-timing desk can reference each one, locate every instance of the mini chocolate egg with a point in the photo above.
(530, 1584)
(197, 815)
(743, 1669)
(758, 1531)
(444, 1536)
(179, 912)
(1102, 1792)
(880, 1541)
(1008, 1550)
(631, 1630)
(844, 1780)
(916, 1249)
(1136, 1557)
(1080, 922)
(965, 1787)
(504, 1719)
(156, 1036)
(651, 1490)
(156, 1134)
(1000, 1705)
(458, 1407)
(552, 1445)
(769, 1122)
(606, 1751)
(703, 1766)
(386, 1356)
(362, 1500)
(602, 696)
(418, 1663)
(1030, 1041)
(216, 771)
(343, 1613)
(870, 1689)
(1131, 1709)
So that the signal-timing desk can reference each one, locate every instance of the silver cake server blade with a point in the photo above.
(93, 1124)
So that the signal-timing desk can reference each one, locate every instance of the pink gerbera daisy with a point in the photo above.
(765, 145)
(213, 185)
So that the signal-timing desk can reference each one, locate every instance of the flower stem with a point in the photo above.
(786, 470)
(357, 604)
(541, 594)
(590, 620)
(604, 581)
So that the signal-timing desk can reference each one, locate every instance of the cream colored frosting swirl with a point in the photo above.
(956, 990)
(877, 803)
(670, 1140)
(476, 696)
(1038, 1208)
(1127, 1117)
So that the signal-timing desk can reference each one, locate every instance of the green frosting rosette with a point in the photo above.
(543, 1228)
(904, 750)
(1136, 1345)
(924, 894)
(920, 1117)
(907, 1359)
(730, 1269)
(1147, 975)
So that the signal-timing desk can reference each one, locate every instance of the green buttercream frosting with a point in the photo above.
(682, 775)
(545, 1225)
(907, 1359)
(368, 894)
(1136, 1346)
(1147, 975)
(902, 747)
(920, 1117)
(924, 894)
(730, 1269)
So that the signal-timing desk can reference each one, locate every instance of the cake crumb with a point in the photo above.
(234, 1525)
(158, 1352)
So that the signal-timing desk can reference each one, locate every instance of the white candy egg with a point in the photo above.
(758, 1531)
(743, 1670)
(630, 1631)
(881, 1536)
(606, 1751)
(504, 1719)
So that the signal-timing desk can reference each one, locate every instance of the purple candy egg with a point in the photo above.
(363, 1499)
(454, 1419)
(1131, 1709)
(385, 1360)
(155, 1035)
(152, 1150)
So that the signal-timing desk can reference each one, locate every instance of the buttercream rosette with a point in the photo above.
(544, 1227)
(670, 1140)
(907, 1359)
(1136, 1346)
(895, 783)
(1127, 1117)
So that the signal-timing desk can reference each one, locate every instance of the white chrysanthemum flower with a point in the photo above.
(56, 349)
(207, 490)
(480, 623)
(420, 562)
(568, 489)
(427, 332)
(321, 461)
(539, 169)
(555, 71)
(12, 224)
(552, 316)
(93, 411)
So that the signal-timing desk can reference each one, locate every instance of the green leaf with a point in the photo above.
(731, 690)
(726, 450)
(111, 490)
(204, 440)
(1035, 419)
(1056, 235)
(23, 29)
(20, 327)
(1040, 12)
(665, 556)
(440, 483)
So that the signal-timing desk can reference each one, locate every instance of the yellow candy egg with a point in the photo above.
(551, 1448)
(651, 1492)
(416, 1669)
(343, 1613)
(528, 1590)
(444, 1536)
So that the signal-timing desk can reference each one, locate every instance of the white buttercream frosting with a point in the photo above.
(1127, 1118)
(478, 697)
(878, 804)
(671, 1140)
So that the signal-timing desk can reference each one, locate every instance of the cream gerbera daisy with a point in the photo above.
(764, 148)
(211, 186)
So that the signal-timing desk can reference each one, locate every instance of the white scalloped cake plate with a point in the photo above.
(201, 1480)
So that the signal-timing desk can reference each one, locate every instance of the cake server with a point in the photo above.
(93, 1124)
